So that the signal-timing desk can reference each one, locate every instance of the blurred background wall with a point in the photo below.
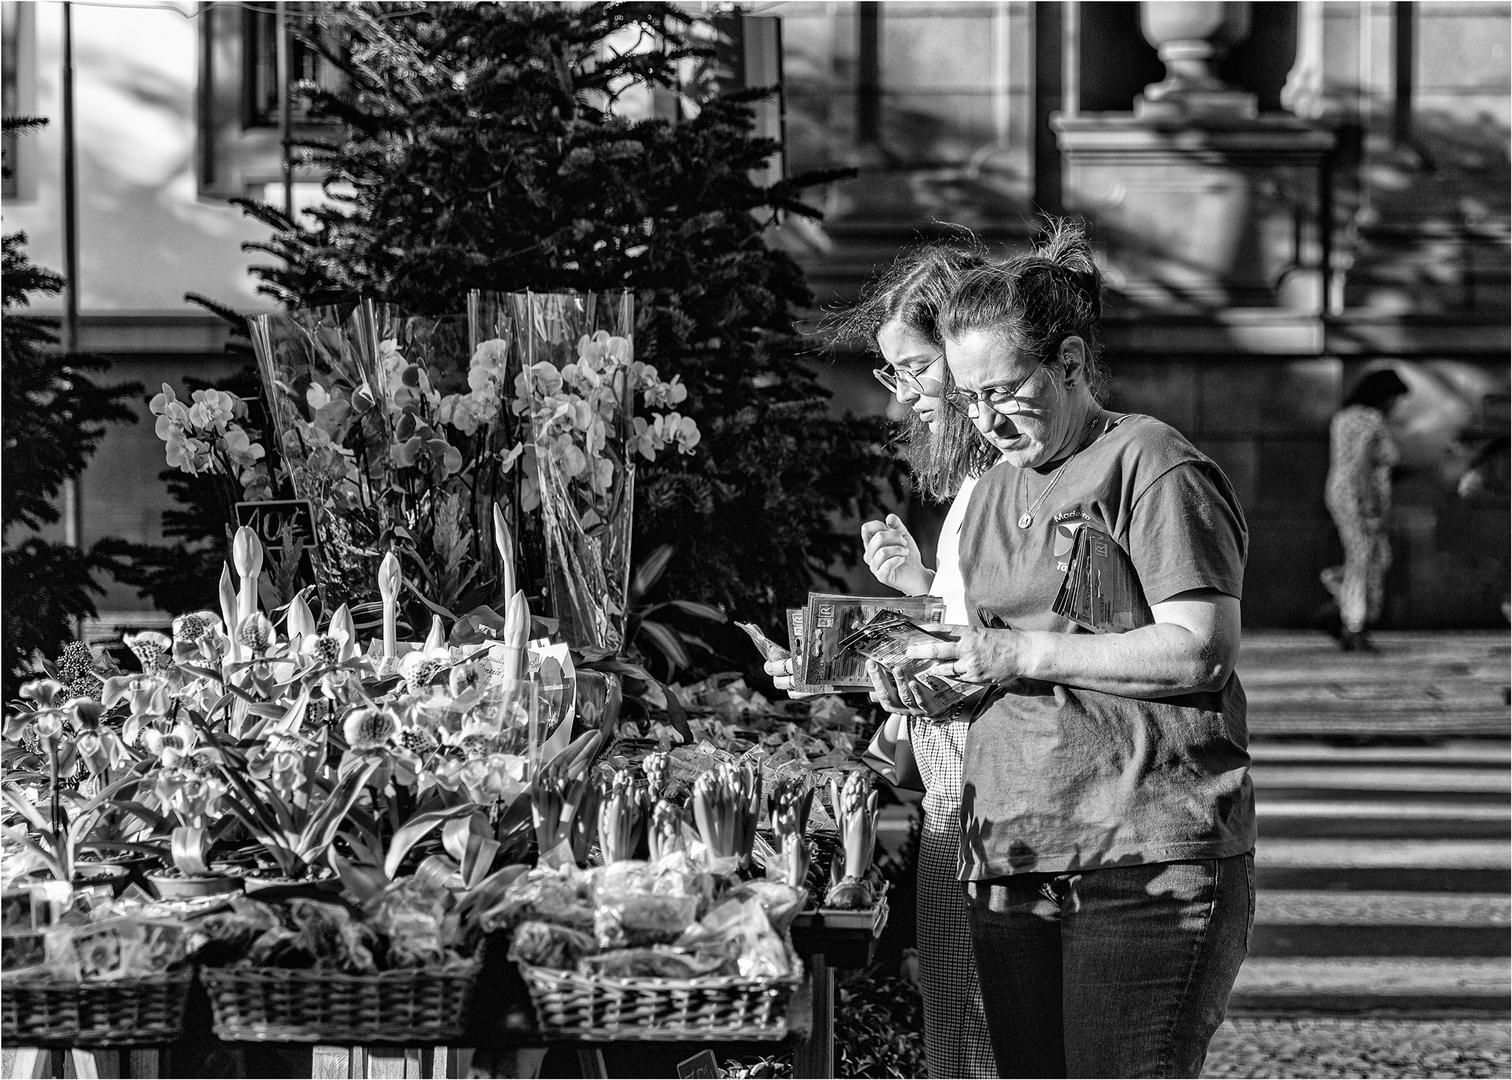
(1329, 194)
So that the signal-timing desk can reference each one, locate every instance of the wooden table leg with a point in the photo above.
(146, 1063)
(393, 1063)
(815, 1056)
(96, 1064)
(28, 1063)
(334, 1063)
(591, 1064)
(450, 1063)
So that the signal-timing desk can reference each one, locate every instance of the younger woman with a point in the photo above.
(896, 315)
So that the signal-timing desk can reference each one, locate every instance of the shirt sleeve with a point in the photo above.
(1186, 531)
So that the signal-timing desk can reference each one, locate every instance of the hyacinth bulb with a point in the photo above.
(247, 553)
(368, 728)
(300, 620)
(390, 578)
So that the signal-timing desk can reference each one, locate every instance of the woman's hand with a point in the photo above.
(974, 654)
(893, 557)
(783, 676)
(893, 695)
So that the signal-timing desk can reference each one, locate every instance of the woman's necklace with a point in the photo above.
(1026, 519)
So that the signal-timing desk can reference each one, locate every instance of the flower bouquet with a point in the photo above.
(573, 396)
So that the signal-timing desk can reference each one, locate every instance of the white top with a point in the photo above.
(948, 584)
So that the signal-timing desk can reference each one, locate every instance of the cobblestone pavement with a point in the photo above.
(1329, 1047)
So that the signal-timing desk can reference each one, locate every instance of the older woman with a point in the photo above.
(1107, 811)
(897, 315)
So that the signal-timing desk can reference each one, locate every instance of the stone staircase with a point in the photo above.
(1383, 868)
(1383, 880)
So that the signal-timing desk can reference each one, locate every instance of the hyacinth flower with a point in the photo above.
(621, 817)
(856, 812)
(726, 805)
(665, 837)
(788, 806)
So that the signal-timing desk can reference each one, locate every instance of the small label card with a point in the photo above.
(700, 1064)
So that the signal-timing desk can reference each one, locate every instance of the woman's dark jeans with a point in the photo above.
(1117, 972)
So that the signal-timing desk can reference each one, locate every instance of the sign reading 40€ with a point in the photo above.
(279, 520)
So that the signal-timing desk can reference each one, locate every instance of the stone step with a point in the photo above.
(1479, 722)
(1459, 753)
(1383, 865)
(1276, 782)
(1381, 924)
(1381, 819)
(1404, 985)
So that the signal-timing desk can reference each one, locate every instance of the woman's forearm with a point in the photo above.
(1160, 660)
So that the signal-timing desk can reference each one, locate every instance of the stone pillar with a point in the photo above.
(1200, 202)
(1203, 214)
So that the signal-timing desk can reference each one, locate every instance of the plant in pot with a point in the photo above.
(282, 794)
(189, 793)
(64, 767)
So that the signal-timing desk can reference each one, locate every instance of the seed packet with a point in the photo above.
(768, 648)
(886, 639)
(826, 664)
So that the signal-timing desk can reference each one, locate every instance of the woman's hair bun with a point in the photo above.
(1065, 246)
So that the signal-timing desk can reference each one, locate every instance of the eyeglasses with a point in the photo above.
(1000, 399)
(896, 379)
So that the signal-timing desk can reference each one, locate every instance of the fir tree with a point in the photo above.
(481, 149)
(54, 415)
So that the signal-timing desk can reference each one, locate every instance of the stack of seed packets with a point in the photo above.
(1101, 590)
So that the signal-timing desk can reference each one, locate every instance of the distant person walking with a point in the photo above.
(1358, 495)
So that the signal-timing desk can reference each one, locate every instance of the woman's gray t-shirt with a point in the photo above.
(1058, 778)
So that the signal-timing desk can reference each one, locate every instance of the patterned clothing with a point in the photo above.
(1358, 495)
(955, 1031)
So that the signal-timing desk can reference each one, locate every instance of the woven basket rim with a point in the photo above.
(15, 982)
(661, 983)
(313, 975)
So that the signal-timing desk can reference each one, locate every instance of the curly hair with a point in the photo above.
(1034, 302)
(911, 293)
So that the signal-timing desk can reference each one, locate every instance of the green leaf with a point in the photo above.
(415, 830)
(703, 611)
(667, 641)
(650, 571)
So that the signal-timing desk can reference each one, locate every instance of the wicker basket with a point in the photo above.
(575, 1006)
(126, 1012)
(411, 1006)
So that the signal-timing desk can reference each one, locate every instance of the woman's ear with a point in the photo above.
(1073, 357)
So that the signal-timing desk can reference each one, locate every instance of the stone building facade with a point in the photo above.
(1283, 195)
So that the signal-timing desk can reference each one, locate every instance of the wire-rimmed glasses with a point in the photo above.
(913, 381)
(1002, 399)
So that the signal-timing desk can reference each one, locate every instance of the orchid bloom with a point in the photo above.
(200, 637)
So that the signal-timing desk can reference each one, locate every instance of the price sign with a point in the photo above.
(269, 519)
(700, 1064)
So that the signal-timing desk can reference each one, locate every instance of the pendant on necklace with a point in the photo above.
(1025, 520)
